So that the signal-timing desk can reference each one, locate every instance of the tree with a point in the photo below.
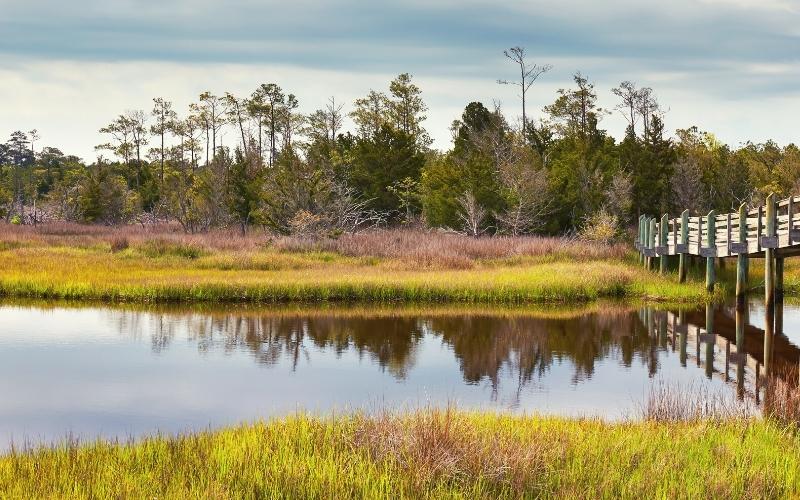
(236, 111)
(472, 214)
(212, 112)
(166, 120)
(243, 184)
(528, 74)
(324, 124)
(271, 99)
(382, 160)
(629, 106)
(575, 110)
(471, 167)
(406, 109)
(370, 113)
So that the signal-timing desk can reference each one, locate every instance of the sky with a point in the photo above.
(731, 67)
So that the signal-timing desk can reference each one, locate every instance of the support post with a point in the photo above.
(709, 358)
(741, 356)
(684, 241)
(741, 260)
(684, 337)
(663, 235)
(769, 285)
(711, 237)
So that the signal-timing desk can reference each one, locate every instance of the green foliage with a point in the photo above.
(384, 159)
(243, 184)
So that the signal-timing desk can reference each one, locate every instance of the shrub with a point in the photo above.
(601, 227)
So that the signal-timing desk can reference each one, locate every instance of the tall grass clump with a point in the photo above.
(672, 403)
(782, 399)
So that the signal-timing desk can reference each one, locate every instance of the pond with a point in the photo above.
(91, 371)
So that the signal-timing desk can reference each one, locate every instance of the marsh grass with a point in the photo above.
(671, 403)
(782, 399)
(159, 265)
(431, 453)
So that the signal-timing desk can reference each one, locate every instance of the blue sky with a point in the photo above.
(728, 66)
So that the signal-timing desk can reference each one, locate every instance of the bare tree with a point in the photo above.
(648, 107)
(528, 203)
(333, 115)
(687, 186)
(629, 106)
(528, 73)
(472, 214)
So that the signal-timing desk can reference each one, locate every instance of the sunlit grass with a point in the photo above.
(267, 275)
(435, 454)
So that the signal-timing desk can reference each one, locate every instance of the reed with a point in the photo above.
(423, 454)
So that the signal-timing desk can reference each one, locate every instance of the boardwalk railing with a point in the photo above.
(771, 231)
(715, 235)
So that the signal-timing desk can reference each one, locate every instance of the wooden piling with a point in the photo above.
(741, 260)
(684, 337)
(769, 253)
(711, 238)
(740, 353)
(769, 283)
(684, 241)
(709, 358)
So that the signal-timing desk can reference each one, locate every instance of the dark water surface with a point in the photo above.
(95, 371)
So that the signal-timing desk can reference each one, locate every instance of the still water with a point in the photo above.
(93, 371)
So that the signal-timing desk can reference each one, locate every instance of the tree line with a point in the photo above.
(255, 160)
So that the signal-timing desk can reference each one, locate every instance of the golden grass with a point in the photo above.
(424, 454)
(139, 274)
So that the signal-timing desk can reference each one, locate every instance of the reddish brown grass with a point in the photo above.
(425, 249)
(782, 398)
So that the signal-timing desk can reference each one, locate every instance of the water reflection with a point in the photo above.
(118, 372)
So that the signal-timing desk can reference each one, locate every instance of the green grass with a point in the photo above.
(433, 454)
(156, 272)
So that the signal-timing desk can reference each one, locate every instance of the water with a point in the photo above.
(93, 371)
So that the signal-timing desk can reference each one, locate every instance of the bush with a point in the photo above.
(601, 227)
(16, 220)
(119, 243)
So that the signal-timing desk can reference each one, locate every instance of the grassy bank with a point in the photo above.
(141, 266)
(440, 454)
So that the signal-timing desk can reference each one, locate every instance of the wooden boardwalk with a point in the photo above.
(770, 231)
(724, 235)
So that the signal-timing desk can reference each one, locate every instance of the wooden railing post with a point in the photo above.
(651, 241)
(711, 232)
(646, 240)
(663, 235)
(640, 240)
(684, 241)
(741, 260)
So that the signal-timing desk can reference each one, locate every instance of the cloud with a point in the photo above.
(70, 70)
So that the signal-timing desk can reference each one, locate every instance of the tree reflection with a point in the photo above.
(487, 347)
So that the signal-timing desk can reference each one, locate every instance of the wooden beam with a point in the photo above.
(711, 238)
